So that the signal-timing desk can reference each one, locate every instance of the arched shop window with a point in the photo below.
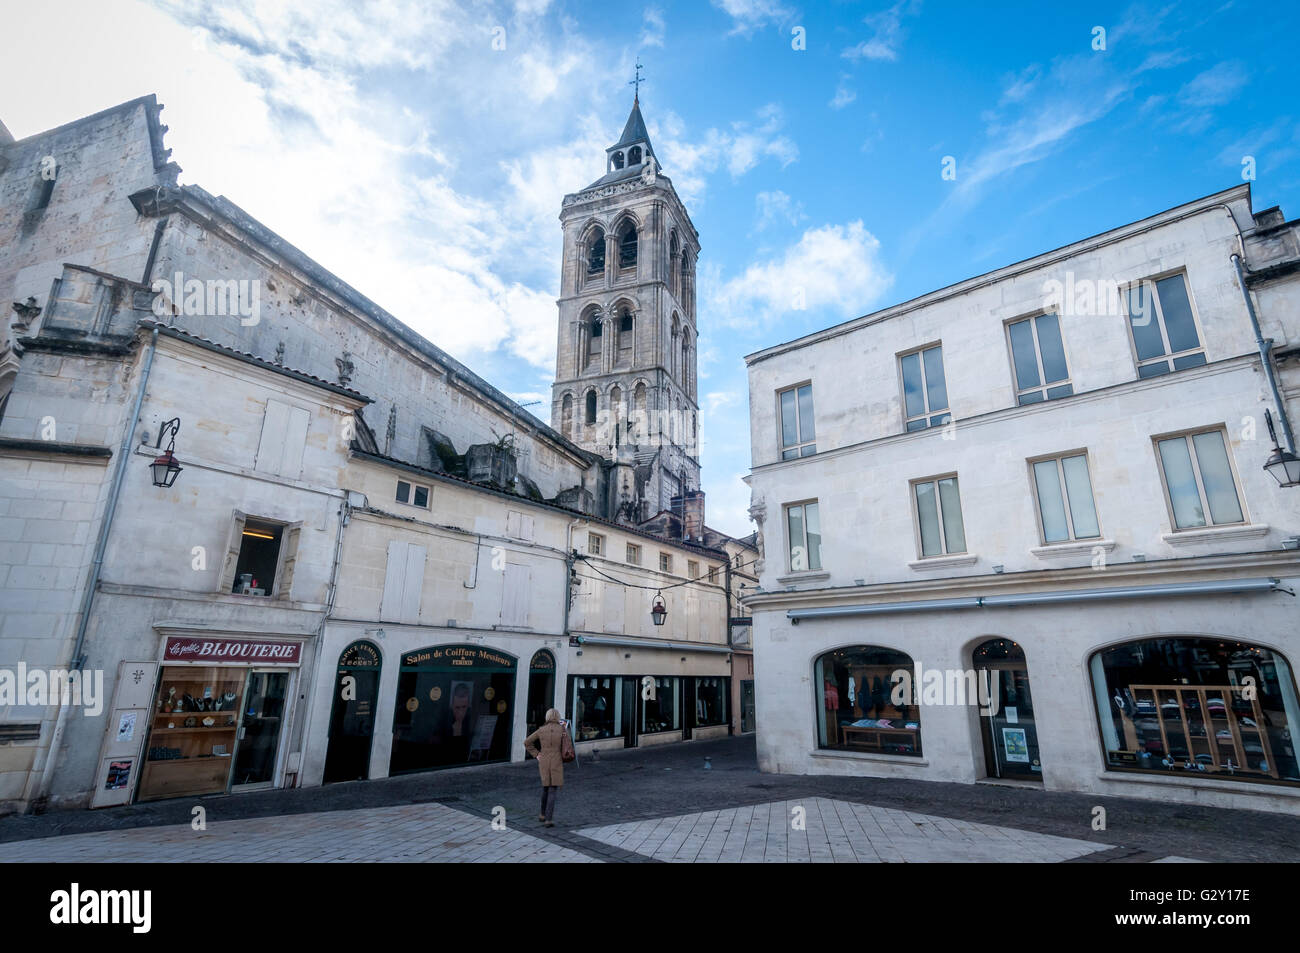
(861, 706)
(1197, 706)
(454, 707)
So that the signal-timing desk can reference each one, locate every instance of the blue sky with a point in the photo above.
(394, 143)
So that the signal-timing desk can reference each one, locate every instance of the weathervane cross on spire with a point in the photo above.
(636, 99)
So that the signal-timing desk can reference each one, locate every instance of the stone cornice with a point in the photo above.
(1281, 563)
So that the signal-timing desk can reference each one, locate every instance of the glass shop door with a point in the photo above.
(1010, 737)
(259, 733)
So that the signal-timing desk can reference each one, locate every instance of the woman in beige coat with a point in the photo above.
(549, 762)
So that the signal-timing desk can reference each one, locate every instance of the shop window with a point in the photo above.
(595, 544)
(1199, 485)
(663, 712)
(413, 494)
(710, 701)
(260, 557)
(1164, 330)
(598, 707)
(1197, 706)
(864, 703)
(453, 708)
(194, 731)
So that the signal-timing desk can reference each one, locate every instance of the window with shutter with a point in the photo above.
(515, 595)
(284, 437)
(403, 583)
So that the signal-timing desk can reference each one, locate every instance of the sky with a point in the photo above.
(421, 150)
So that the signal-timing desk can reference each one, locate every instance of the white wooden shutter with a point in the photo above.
(613, 609)
(295, 442)
(515, 594)
(413, 582)
(284, 437)
(227, 581)
(390, 608)
(512, 523)
(288, 559)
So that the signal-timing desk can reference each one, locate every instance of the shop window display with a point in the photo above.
(710, 701)
(598, 706)
(194, 731)
(856, 708)
(449, 716)
(663, 711)
(1198, 706)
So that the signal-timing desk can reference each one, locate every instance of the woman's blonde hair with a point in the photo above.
(553, 715)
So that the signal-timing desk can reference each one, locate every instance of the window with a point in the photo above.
(597, 707)
(596, 253)
(1180, 706)
(1038, 358)
(284, 437)
(412, 494)
(925, 393)
(595, 544)
(1065, 506)
(866, 701)
(938, 516)
(595, 339)
(1198, 480)
(711, 701)
(566, 416)
(665, 562)
(713, 574)
(692, 569)
(1163, 327)
(625, 331)
(590, 417)
(804, 537)
(797, 433)
(634, 156)
(663, 710)
(627, 246)
(633, 554)
(520, 525)
(259, 557)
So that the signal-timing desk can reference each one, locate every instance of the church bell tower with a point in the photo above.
(625, 384)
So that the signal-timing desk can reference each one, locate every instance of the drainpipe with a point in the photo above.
(1265, 346)
(87, 601)
(568, 573)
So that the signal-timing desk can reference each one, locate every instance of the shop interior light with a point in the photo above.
(254, 533)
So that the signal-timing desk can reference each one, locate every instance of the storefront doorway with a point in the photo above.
(259, 734)
(541, 689)
(747, 718)
(352, 720)
(1009, 733)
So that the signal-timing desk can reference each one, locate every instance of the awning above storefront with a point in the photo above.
(651, 644)
(1044, 598)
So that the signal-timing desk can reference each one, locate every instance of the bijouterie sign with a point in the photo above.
(184, 649)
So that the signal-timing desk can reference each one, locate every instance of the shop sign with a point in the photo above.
(252, 651)
(457, 657)
(543, 661)
(359, 655)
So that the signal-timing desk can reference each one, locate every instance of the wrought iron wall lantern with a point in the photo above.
(165, 468)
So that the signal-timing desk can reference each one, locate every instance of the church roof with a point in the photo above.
(634, 131)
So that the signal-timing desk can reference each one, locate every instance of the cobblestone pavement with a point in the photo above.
(671, 782)
(417, 832)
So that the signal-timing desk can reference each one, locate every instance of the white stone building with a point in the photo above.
(1047, 480)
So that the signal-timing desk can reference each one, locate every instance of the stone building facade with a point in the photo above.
(1019, 528)
(353, 505)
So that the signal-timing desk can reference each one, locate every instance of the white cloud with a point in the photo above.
(1217, 85)
(775, 207)
(716, 400)
(738, 149)
(887, 33)
(749, 15)
(1018, 86)
(843, 95)
(652, 27)
(833, 268)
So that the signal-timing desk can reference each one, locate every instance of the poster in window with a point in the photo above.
(482, 741)
(1015, 745)
(119, 775)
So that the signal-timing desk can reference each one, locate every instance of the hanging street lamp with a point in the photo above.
(1283, 465)
(165, 468)
(658, 611)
